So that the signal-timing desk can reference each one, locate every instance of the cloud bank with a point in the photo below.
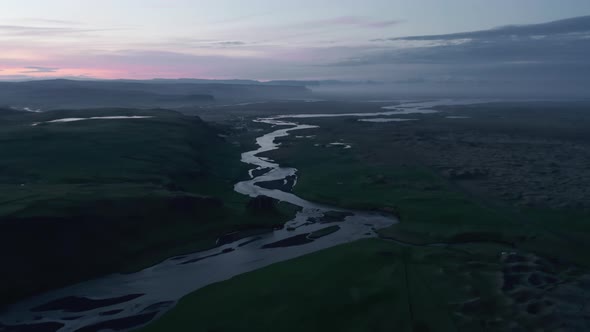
(535, 57)
(538, 55)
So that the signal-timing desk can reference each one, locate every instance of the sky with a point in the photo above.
(403, 41)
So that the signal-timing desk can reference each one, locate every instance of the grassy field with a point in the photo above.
(371, 285)
(383, 172)
(431, 209)
(459, 260)
(86, 198)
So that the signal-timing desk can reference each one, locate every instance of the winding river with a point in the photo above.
(125, 301)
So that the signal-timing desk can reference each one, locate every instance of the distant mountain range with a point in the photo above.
(234, 81)
(64, 93)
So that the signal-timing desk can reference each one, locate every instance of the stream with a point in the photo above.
(123, 302)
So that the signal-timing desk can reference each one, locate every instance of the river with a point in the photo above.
(125, 301)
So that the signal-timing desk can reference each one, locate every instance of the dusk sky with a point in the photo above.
(391, 40)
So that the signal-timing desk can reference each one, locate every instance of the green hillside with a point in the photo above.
(85, 198)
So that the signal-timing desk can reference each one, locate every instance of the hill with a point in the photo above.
(61, 93)
(84, 198)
